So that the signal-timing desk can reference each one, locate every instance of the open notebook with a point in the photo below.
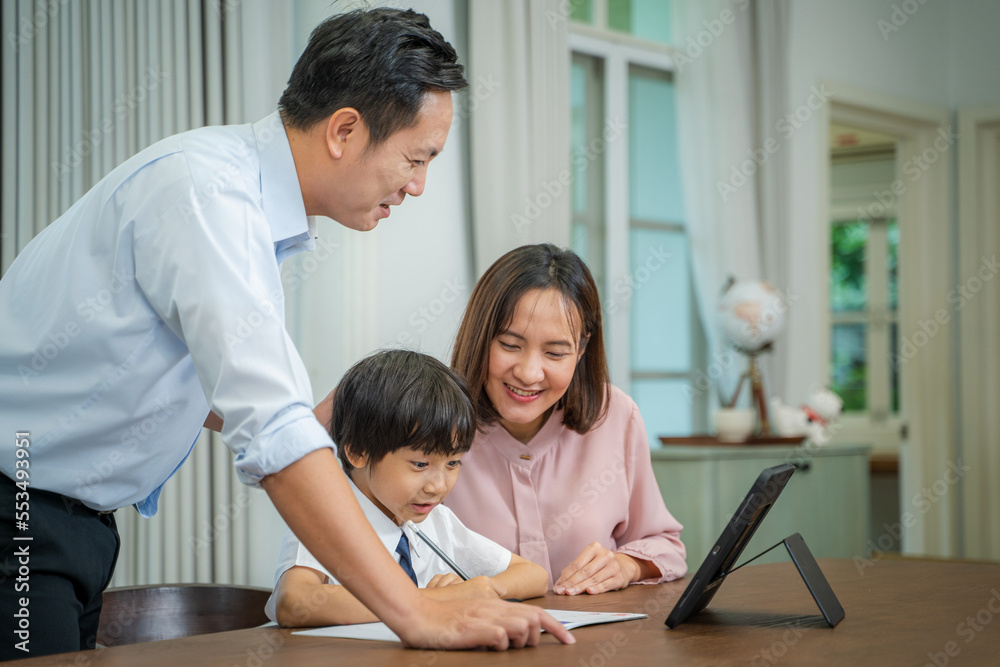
(381, 632)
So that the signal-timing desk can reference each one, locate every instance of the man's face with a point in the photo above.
(373, 180)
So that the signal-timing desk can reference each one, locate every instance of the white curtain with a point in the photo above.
(518, 108)
(730, 93)
(85, 86)
(770, 37)
(715, 127)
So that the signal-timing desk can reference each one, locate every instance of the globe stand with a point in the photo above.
(756, 380)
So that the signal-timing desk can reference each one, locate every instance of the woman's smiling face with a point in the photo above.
(533, 360)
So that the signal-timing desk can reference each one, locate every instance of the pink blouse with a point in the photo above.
(549, 499)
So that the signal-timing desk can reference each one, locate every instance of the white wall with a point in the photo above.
(943, 54)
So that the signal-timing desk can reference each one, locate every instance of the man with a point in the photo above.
(124, 324)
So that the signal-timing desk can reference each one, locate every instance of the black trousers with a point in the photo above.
(51, 584)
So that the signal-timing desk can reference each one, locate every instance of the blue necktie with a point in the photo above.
(403, 549)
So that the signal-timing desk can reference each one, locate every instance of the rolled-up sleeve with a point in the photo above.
(650, 532)
(207, 266)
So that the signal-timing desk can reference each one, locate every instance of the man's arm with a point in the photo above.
(323, 412)
(313, 497)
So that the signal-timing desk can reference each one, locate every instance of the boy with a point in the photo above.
(402, 421)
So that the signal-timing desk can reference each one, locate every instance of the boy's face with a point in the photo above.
(407, 484)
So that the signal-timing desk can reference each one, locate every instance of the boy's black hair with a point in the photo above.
(381, 62)
(399, 398)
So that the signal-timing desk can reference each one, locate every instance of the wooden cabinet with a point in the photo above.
(826, 499)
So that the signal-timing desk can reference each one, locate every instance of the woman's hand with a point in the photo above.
(597, 570)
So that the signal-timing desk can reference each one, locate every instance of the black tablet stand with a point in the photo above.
(817, 584)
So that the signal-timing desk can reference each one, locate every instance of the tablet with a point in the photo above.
(722, 557)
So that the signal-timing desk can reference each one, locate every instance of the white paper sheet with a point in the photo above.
(381, 632)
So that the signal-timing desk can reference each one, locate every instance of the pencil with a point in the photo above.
(438, 551)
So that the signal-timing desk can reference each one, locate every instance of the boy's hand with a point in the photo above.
(494, 624)
(451, 587)
(441, 580)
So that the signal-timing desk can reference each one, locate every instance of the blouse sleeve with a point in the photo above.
(649, 532)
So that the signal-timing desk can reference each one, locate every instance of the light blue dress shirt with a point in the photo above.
(153, 298)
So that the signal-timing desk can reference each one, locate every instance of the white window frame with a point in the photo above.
(877, 424)
(619, 52)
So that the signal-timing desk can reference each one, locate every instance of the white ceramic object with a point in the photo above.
(734, 424)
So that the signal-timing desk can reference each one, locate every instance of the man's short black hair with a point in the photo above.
(399, 398)
(381, 62)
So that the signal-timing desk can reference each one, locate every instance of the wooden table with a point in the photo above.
(899, 612)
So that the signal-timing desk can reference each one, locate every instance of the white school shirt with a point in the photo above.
(475, 554)
(155, 297)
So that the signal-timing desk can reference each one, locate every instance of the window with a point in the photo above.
(864, 242)
(628, 209)
(863, 314)
(644, 19)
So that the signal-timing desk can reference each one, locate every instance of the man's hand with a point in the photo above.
(597, 570)
(494, 624)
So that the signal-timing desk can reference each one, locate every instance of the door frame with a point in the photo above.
(928, 402)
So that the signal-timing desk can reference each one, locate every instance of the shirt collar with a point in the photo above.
(279, 183)
(386, 529)
(525, 455)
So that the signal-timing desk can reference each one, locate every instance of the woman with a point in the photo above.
(560, 471)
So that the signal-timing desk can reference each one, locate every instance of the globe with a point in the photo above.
(752, 314)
